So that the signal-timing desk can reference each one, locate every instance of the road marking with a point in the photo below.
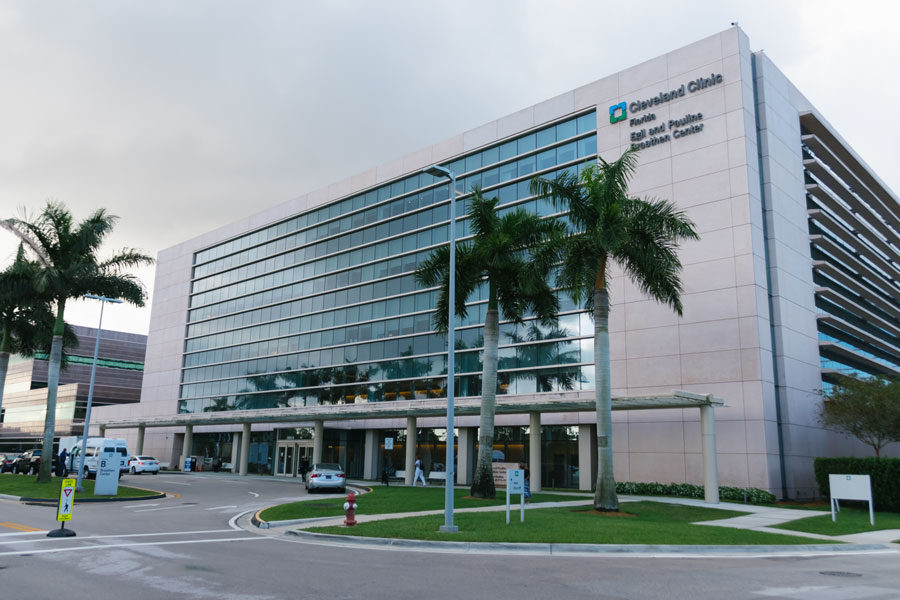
(255, 495)
(218, 507)
(163, 508)
(173, 495)
(232, 522)
(142, 506)
(174, 482)
(124, 535)
(249, 538)
(3, 535)
(18, 527)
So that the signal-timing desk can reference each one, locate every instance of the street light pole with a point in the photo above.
(448, 526)
(87, 414)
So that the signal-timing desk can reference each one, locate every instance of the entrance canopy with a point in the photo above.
(579, 402)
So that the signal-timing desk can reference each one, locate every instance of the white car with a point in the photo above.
(143, 464)
(326, 476)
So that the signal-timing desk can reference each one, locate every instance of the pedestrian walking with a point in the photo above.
(419, 474)
(61, 463)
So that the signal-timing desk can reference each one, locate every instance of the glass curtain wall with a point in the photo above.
(323, 307)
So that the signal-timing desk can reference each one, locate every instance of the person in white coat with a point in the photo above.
(419, 474)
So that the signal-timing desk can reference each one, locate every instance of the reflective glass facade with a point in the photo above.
(323, 307)
(854, 242)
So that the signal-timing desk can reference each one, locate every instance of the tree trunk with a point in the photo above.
(605, 498)
(483, 481)
(52, 385)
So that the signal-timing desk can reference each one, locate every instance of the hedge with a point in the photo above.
(689, 490)
(885, 474)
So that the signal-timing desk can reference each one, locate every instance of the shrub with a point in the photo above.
(885, 474)
(689, 490)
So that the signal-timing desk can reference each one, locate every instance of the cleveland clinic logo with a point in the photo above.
(618, 112)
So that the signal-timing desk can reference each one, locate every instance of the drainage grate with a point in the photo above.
(840, 574)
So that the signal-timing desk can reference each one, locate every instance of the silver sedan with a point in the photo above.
(325, 476)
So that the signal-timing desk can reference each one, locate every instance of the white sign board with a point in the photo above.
(515, 484)
(107, 483)
(850, 487)
(388, 443)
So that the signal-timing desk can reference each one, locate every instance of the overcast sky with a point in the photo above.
(182, 116)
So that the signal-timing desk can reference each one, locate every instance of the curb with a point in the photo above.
(261, 523)
(562, 549)
(51, 501)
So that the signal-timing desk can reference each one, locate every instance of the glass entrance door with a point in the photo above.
(280, 466)
(289, 468)
(291, 457)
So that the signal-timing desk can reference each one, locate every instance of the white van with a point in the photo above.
(93, 449)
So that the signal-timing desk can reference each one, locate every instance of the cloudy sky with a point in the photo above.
(182, 116)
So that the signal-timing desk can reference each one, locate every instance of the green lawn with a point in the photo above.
(27, 486)
(384, 500)
(849, 520)
(654, 523)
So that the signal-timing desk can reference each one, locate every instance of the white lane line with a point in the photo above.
(174, 482)
(107, 546)
(141, 506)
(218, 507)
(123, 535)
(23, 533)
(164, 508)
(255, 495)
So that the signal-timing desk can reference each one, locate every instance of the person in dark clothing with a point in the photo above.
(304, 468)
(61, 463)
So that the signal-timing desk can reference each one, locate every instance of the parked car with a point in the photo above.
(143, 464)
(326, 476)
(6, 462)
(29, 463)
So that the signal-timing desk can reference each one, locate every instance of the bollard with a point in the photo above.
(350, 506)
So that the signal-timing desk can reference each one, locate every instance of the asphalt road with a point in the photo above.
(189, 546)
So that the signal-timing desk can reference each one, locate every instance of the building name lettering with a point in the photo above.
(701, 83)
(665, 132)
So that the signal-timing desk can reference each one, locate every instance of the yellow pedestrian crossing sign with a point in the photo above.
(66, 500)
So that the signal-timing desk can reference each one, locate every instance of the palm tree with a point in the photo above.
(22, 314)
(514, 254)
(608, 226)
(69, 268)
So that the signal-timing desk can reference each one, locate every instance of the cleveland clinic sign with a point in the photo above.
(647, 130)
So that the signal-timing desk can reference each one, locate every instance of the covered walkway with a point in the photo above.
(412, 410)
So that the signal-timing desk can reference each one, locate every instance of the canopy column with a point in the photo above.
(710, 463)
(318, 441)
(245, 449)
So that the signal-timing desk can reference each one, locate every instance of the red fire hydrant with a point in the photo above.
(350, 506)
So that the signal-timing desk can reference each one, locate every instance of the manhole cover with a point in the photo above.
(840, 574)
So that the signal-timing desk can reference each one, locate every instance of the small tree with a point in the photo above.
(867, 409)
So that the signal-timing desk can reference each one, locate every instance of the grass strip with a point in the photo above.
(651, 523)
(385, 500)
(849, 520)
(28, 487)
